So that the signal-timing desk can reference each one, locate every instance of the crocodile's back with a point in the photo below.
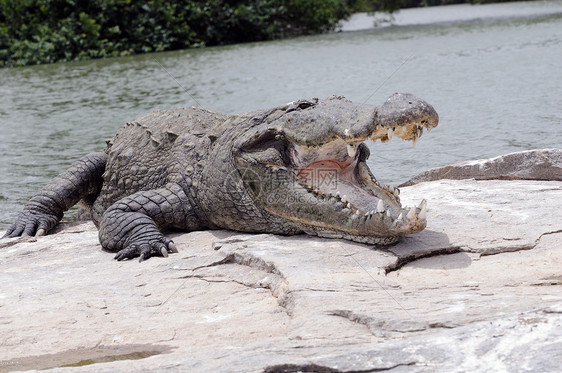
(161, 147)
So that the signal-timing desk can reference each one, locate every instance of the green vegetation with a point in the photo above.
(45, 31)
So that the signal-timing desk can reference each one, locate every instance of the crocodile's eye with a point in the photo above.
(300, 105)
(271, 156)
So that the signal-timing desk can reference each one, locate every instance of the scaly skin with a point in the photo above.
(295, 168)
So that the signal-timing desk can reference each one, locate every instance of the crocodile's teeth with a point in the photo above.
(411, 214)
(400, 217)
(391, 189)
(417, 134)
(351, 150)
(380, 206)
(357, 212)
(423, 213)
(396, 192)
(390, 133)
(344, 198)
(423, 210)
(348, 205)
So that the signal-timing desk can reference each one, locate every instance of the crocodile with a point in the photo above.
(292, 169)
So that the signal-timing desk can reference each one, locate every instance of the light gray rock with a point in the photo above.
(538, 164)
(478, 290)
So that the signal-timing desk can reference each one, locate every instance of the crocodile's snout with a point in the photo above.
(405, 116)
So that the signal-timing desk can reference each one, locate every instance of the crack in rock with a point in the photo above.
(414, 256)
(294, 368)
(226, 260)
(402, 261)
(512, 249)
(508, 249)
(210, 279)
(314, 368)
(382, 328)
(276, 284)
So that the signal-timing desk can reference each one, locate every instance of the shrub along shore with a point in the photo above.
(46, 31)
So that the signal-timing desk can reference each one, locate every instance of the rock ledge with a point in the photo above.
(478, 290)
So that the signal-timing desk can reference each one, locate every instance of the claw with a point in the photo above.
(172, 247)
(40, 232)
(164, 251)
(142, 257)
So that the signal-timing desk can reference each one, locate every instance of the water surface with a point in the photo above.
(494, 80)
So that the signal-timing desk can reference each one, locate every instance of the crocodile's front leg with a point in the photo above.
(82, 181)
(132, 225)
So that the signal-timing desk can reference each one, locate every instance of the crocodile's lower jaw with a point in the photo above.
(370, 240)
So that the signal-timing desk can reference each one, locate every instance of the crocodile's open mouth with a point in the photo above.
(336, 172)
(330, 171)
(338, 169)
(327, 188)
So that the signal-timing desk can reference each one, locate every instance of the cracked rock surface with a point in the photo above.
(478, 290)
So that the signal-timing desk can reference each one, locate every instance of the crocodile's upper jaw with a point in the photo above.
(327, 188)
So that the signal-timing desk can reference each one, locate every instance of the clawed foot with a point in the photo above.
(145, 250)
(31, 223)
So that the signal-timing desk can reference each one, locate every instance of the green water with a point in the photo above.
(495, 81)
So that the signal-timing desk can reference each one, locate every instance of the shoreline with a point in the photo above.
(455, 14)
